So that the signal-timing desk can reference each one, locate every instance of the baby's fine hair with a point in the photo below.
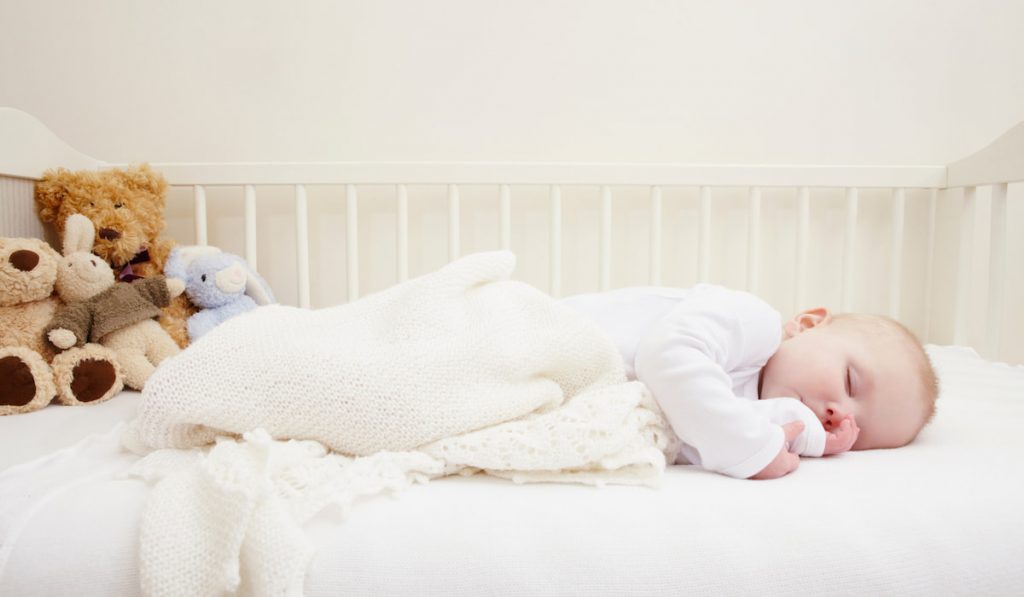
(875, 325)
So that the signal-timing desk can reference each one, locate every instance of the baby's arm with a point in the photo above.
(684, 360)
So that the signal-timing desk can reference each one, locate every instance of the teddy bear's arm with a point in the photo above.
(154, 290)
(76, 318)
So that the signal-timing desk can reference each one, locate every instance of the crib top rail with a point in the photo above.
(1000, 162)
(550, 173)
(28, 148)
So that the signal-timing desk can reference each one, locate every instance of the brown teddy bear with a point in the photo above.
(98, 309)
(31, 374)
(126, 206)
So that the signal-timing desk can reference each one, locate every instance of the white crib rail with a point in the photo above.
(505, 176)
(994, 167)
(657, 177)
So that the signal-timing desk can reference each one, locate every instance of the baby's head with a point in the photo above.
(865, 365)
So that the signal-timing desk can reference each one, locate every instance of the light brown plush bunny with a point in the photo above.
(117, 315)
(31, 373)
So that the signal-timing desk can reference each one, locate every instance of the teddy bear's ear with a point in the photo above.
(79, 234)
(144, 178)
(51, 192)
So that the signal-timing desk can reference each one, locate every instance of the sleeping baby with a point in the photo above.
(747, 395)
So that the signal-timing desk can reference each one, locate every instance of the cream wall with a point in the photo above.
(798, 81)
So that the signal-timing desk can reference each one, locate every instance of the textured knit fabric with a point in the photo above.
(113, 309)
(454, 372)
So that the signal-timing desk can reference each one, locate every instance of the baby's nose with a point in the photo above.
(833, 418)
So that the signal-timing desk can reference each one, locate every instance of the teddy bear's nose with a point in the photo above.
(26, 261)
(109, 234)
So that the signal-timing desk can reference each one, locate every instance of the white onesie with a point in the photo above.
(700, 351)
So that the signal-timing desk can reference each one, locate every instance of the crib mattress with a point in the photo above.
(941, 516)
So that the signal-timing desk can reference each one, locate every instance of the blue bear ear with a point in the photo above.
(258, 289)
(175, 266)
(181, 258)
(255, 286)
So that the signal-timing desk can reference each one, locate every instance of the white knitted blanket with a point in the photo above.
(458, 371)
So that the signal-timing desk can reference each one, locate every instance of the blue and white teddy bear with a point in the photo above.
(221, 284)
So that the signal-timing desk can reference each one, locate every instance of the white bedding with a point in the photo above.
(941, 516)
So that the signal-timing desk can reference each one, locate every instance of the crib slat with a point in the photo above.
(352, 240)
(753, 239)
(606, 237)
(199, 194)
(704, 236)
(250, 226)
(556, 241)
(402, 216)
(849, 248)
(506, 217)
(655, 272)
(933, 200)
(302, 243)
(803, 227)
(896, 269)
(453, 222)
(997, 269)
(966, 263)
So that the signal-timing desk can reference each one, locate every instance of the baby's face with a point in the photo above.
(837, 370)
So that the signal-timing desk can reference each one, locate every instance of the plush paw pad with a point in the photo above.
(91, 379)
(17, 386)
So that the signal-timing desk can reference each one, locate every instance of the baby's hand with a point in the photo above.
(785, 462)
(843, 438)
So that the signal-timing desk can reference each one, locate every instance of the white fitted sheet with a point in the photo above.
(942, 516)
(32, 435)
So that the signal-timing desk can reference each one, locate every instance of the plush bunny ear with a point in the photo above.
(79, 234)
(256, 287)
(182, 256)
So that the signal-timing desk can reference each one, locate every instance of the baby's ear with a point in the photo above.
(806, 320)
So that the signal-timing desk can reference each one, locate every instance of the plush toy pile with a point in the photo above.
(126, 207)
(80, 327)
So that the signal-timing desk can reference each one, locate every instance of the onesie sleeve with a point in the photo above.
(811, 442)
(154, 290)
(684, 361)
(75, 317)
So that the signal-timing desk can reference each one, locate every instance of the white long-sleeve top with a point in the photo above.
(701, 351)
